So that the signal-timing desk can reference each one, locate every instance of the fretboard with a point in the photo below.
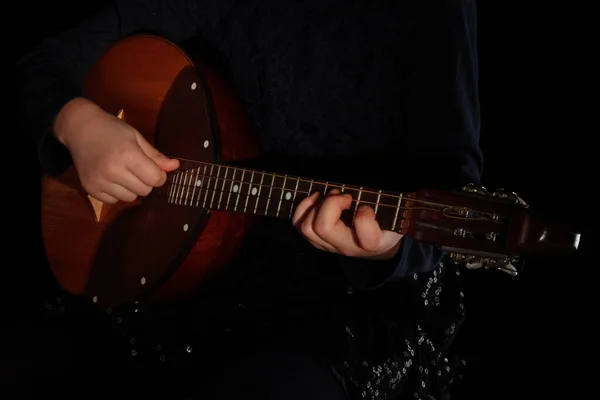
(233, 189)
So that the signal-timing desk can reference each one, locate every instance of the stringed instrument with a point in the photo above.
(164, 246)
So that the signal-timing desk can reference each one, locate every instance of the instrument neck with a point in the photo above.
(227, 188)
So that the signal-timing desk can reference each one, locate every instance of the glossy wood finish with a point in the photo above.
(492, 225)
(143, 249)
(165, 246)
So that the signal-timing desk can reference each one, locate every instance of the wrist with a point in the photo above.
(389, 254)
(71, 117)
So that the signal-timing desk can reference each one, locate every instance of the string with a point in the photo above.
(274, 175)
(333, 185)
(192, 196)
(182, 198)
(176, 196)
(399, 197)
(247, 205)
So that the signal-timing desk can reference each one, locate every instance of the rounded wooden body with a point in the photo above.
(150, 250)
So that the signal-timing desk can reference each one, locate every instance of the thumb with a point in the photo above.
(165, 163)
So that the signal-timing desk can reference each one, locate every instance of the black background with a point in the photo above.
(526, 337)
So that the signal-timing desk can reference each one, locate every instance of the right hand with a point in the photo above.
(113, 160)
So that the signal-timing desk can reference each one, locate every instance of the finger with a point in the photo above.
(165, 163)
(120, 193)
(330, 227)
(304, 208)
(303, 219)
(146, 170)
(368, 232)
(131, 182)
(308, 232)
(105, 198)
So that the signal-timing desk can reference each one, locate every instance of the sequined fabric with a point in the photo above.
(354, 91)
(381, 344)
(391, 358)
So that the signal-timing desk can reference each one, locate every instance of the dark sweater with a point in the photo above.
(381, 93)
(375, 92)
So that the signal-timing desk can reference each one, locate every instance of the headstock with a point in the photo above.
(483, 229)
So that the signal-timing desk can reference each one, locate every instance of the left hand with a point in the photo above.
(319, 222)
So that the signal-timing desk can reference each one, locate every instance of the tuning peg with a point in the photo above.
(509, 269)
(504, 264)
(512, 196)
(473, 188)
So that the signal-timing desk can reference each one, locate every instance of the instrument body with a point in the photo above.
(163, 94)
(166, 245)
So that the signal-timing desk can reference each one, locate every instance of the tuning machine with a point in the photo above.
(511, 196)
(499, 193)
(473, 188)
(506, 264)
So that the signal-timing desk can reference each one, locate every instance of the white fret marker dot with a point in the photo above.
(194, 86)
(95, 299)
(235, 188)
(143, 281)
(185, 227)
(254, 191)
(206, 143)
(198, 182)
(288, 195)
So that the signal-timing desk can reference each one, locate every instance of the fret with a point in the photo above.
(195, 182)
(211, 186)
(360, 196)
(220, 205)
(387, 211)
(237, 189)
(228, 204)
(253, 192)
(376, 209)
(303, 190)
(348, 214)
(360, 192)
(207, 180)
(250, 188)
(182, 187)
(282, 191)
(261, 181)
(245, 191)
(286, 206)
(397, 212)
(271, 185)
(221, 187)
(365, 197)
(190, 185)
(201, 183)
(317, 186)
(215, 185)
(276, 196)
(262, 197)
(294, 196)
